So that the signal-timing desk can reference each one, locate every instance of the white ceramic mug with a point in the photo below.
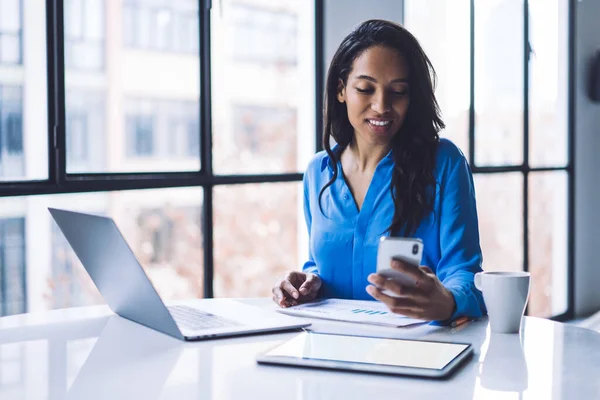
(505, 295)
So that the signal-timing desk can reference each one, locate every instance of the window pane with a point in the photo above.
(10, 16)
(259, 235)
(144, 91)
(162, 227)
(449, 19)
(23, 96)
(500, 211)
(548, 231)
(498, 82)
(548, 91)
(263, 125)
(85, 130)
(9, 49)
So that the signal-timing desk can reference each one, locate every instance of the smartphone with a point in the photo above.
(409, 250)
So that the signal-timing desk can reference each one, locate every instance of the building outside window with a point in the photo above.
(84, 129)
(11, 32)
(84, 34)
(11, 133)
(163, 25)
(262, 35)
(12, 266)
(164, 129)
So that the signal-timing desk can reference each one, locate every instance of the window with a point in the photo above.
(140, 134)
(163, 25)
(67, 277)
(84, 34)
(11, 32)
(162, 130)
(12, 266)
(84, 128)
(505, 105)
(263, 36)
(24, 129)
(185, 129)
(11, 133)
(260, 124)
(177, 159)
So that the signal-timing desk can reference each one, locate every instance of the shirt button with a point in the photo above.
(346, 197)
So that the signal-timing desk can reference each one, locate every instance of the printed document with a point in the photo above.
(364, 312)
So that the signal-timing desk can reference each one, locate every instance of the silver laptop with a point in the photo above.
(127, 290)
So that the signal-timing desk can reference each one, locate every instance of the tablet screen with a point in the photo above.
(368, 350)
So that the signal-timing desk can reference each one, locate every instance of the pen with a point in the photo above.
(459, 322)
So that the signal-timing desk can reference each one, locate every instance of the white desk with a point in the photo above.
(87, 353)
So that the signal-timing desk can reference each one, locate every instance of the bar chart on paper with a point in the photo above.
(364, 312)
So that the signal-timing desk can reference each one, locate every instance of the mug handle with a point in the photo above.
(477, 279)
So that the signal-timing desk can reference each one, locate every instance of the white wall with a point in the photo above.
(587, 163)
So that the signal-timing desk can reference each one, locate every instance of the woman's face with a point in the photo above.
(376, 95)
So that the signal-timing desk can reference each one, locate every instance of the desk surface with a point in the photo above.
(89, 353)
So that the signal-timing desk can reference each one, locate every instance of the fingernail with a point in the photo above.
(295, 294)
(303, 290)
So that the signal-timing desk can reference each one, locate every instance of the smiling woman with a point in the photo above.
(388, 175)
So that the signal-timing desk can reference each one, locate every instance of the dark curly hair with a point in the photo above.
(415, 145)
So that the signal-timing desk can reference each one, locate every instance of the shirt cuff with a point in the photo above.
(310, 267)
(469, 302)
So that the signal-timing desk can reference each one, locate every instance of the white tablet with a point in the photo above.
(369, 354)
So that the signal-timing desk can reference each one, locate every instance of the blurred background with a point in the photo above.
(217, 113)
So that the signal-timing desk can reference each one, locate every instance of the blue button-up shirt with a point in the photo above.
(343, 240)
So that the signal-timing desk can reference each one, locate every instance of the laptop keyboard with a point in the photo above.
(194, 319)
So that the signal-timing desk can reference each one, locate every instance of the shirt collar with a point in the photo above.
(325, 161)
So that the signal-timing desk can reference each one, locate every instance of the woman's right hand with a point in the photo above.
(296, 288)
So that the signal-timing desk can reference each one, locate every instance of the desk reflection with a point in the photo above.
(504, 367)
(127, 361)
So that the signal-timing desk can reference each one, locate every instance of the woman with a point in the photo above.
(388, 174)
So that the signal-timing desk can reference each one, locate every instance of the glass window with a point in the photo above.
(161, 25)
(163, 228)
(84, 34)
(12, 162)
(499, 82)
(548, 229)
(140, 130)
(429, 21)
(142, 105)
(262, 125)
(263, 35)
(10, 31)
(23, 92)
(12, 266)
(548, 90)
(500, 212)
(248, 217)
(84, 120)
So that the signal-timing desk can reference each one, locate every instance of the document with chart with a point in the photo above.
(365, 312)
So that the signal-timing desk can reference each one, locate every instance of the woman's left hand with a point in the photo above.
(428, 299)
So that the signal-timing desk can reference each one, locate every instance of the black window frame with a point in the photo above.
(59, 181)
(524, 168)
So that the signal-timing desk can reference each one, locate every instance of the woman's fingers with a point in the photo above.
(311, 285)
(287, 287)
(404, 306)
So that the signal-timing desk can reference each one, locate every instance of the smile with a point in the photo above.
(378, 123)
